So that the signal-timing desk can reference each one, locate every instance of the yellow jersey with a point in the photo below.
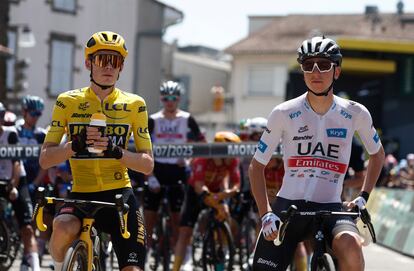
(125, 113)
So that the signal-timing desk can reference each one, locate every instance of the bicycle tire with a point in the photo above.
(324, 263)
(247, 243)
(9, 245)
(76, 258)
(166, 253)
(328, 262)
(198, 235)
(5, 262)
(155, 251)
(218, 249)
(97, 263)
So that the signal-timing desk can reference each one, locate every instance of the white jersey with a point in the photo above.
(6, 165)
(169, 131)
(316, 148)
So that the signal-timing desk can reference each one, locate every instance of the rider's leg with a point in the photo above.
(30, 247)
(150, 221)
(151, 205)
(24, 210)
(347, 248)
(184, 239)
(175, 195)
(301, 257)
(175, 222)
(66, 229)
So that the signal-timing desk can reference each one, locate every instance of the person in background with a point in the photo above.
(170, 125)
(30, 134)
(407, 173)
(12, 172)
(10, 119)
(212, 180)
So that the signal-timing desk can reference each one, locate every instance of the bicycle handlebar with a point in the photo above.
(292, 211)
(41, 201)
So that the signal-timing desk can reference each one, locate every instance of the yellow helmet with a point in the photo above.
(106, 40)
(225, 136)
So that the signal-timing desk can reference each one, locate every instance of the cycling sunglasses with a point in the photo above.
(102, 60)
(322, 65)
(169, 98)
(35, 113)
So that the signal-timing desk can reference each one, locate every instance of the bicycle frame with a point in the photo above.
(87, 222)
(215, 225)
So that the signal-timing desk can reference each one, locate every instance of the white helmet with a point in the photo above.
(320, 47)
(256, 125)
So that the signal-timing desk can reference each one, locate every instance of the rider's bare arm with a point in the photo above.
(141, 161)
(375, 164)
(53, 154)
(258, 186)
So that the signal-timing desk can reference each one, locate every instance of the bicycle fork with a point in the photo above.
(319, 245)
(85, 236)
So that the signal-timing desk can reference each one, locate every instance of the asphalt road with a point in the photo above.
(377, 258)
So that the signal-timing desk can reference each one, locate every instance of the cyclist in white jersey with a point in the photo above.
(12, 172)
(315, 130)
(170, 125)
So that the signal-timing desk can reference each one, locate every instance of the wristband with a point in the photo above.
(365, 195)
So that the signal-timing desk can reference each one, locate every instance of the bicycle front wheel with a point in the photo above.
(9, 245)
(218, 249)
(325, 263)
(76, 257)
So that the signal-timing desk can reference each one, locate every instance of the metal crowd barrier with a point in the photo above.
(187, 150)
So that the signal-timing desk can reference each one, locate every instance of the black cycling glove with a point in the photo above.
(113, 151)
(79, 141)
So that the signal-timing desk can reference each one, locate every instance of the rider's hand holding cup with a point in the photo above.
(97, 142)
(270, 226)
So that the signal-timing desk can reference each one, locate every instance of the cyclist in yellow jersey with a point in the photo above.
(99, 176)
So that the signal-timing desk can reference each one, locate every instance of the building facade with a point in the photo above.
(62, 27)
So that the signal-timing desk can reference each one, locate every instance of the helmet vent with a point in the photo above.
(105, 36)
(91, 42)
(114, 37)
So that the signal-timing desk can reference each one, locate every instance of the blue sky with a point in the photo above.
(220, 23)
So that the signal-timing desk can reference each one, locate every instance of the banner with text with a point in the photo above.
(159, 150)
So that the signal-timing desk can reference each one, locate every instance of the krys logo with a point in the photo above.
(262, 146)
(336, 132)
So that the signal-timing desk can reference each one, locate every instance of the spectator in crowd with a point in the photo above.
(407, 172)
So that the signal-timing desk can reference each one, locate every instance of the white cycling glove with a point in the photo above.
(153, 183)
(270, 223)
(361, 200)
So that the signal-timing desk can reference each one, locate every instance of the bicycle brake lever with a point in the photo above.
(366, 219)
